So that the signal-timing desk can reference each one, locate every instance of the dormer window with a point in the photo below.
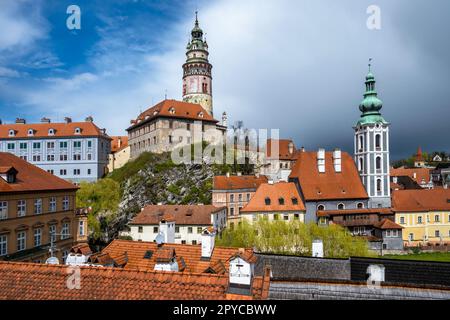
(172, 110)
(30, 132)
(11, 133)
(294, 201)
(200, 114)
(77, 130)
(51, 132)
(267, 201)
(281, 201)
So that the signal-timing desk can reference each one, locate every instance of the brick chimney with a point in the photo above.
(208, 241)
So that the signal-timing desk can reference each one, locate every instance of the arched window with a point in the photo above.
(361, 143)
(30, 132)
(294, 201)
(11, 133)
(378, 163)
(267, 201)
(281, 201)
(341, 206)
(77, 130)
(51, 132)
(360, 205)
(379, 185)
(320, 207)
(378, 141)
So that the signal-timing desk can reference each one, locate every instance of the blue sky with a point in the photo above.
(290, 64)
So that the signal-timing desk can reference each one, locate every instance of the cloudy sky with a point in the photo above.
(296, 65)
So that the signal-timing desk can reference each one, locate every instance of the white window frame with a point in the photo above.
(65, 231)
(52, 204)
(66, 203)
(21, 208)
(21, 241)
(81, 228)
(37, 236)
(3, 245)
(52, 232)
(38, 206)
(3, 210)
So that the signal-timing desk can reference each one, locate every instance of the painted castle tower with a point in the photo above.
(197, 80)
(372, 147)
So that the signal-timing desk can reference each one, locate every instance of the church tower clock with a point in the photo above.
(372, 147)
(197, 80)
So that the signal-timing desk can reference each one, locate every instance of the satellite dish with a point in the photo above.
(52, 260)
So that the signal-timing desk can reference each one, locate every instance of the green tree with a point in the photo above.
(295, 237)
(103, 198)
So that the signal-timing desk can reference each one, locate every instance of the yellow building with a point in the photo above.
(425, 215)
(279, 201)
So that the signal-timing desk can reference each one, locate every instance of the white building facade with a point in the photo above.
(75, 151)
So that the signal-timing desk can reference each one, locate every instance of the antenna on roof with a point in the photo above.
(165, 94)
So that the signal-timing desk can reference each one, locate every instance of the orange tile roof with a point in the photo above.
(181, 214)
(329, 185)
(421, 200)
(118, 143)
(88, 129)
(281, 190)
(283, 149)
(183, 110)
(30, 281)
(387, 224)
(30, 178)
(82, 248)
(238, 182)
(191, 254)
(421, 174)
(382, 211)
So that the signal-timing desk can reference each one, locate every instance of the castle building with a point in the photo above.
(197, 79)
(74, 151)
(170, 123)
(372, 147)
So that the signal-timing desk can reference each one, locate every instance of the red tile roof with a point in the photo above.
(283, 149)
(421, 200)
(30, 178)
(88, 129)
(183, 110)
(118, 143)
(29, 281)
(417, 174)
(181, 214)
(287, 191)
(191, 254)
(329, 185)
(382, 211)
(387, 224)
(238, 182)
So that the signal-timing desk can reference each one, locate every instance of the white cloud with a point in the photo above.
(8, 73)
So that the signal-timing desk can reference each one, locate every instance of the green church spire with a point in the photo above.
(371, 105)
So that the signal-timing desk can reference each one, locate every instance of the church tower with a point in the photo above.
(197, 78)
(372, 147)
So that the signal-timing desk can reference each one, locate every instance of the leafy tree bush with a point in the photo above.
(295, 237)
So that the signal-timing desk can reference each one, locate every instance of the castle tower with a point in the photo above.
(372, 147)
(197, 80)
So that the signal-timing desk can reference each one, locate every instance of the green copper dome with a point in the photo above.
(371, 104)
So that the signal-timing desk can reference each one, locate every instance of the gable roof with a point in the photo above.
(181, 110)
(283, 149)
(238, 182)
(281, 190)
(419, 175)
(191, 254)
(29, 177)
(30, 281)
(421, 200)
(118, 143)
(329, 185)
(181, 214)
(387, 224)
(41, 130)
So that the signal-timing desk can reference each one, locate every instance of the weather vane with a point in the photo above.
(370, 63)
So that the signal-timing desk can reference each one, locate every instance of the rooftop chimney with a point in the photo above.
(228, 174)
(167, 230)
(45, 120)
(68, 120)
(89, 119)
(208, 241)
(321, 160)
(20, 120)
(337, 160)
(291, 147)
(302, 149)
